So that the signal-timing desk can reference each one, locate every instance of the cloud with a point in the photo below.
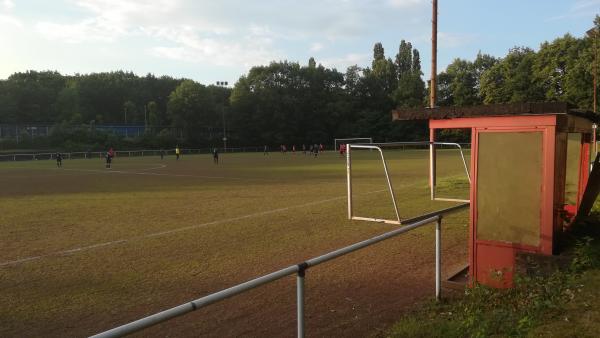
(107, 20)
(317, 46)
(192, 45)
(8, 4)
(228, 33)
(453, 40)
(579, 9)
(10, 20)
(350, 59)
(449, 40)
(405, 3)
(585, 5)
(89, 30)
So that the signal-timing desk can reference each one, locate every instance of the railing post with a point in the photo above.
(438, 258)
(300, 298)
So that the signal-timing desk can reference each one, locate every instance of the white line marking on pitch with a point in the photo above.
(110, 171)
(162, 166)
(167, 232)
(142, 172)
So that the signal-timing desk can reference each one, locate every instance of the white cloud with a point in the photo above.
(579, 9)
(8, 4)
(585, 5)
(190, 45)
(449, 40)
(10, 20)
(453, 40)
(341, 63)
(405, 3)
(187, 31)
(317, 46)
(89, 30)
(108, 20)
(226, 33)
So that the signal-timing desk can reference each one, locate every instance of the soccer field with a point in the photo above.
(84, 248)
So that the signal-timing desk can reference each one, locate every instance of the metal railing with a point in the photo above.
(120, 153)
(300, 271)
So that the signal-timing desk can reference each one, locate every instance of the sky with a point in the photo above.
(220, 40)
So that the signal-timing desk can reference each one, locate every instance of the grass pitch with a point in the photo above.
(84, 249)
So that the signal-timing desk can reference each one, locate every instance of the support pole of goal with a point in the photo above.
(432, 163)
(349, 178)
(438, 258)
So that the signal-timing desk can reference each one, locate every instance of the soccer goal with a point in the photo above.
(361, 140)
(432, 146)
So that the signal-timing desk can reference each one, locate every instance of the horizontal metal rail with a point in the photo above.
(299, 269)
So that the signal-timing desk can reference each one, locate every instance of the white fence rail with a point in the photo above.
(119, 153)
(300, 271)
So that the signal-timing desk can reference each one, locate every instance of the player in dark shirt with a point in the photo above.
(58, 160)
(108, 160)
(215, 156)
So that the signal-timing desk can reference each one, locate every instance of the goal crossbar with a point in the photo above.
(338, 141)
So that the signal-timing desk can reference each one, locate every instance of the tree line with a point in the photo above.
(286, 102)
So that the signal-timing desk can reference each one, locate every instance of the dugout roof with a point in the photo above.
(509, 109)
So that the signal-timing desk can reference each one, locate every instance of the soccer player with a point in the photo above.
(177, 152)
(316, 149)
(215, 156)
(342, 149)
(162, 153)
(58, 159)
(108, 159)
(294, 149)
(266, 151)
(303, 148)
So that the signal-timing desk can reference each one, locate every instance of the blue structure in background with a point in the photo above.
(122, 130)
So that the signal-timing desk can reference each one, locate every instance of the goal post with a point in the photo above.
(432, 175)
(361, 140)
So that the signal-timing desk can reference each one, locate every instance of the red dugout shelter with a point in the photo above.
(530, 165)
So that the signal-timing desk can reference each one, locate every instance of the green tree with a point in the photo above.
(67, 102)
(410, 91)
(378, 53)
(404, 59)
(458, 84)
(153, 114)
(561, 68)
(130, 111)
(416, 62)
(191, 107)
(512, 79)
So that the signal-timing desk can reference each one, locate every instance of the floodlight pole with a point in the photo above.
(595, 37)
(224, 85)
(433, 95)
(432, 84)
(593, 34)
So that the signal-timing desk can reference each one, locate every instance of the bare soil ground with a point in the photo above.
(84, 249)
